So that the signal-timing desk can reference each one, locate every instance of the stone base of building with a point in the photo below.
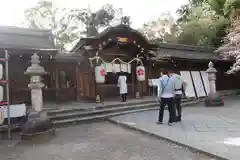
(214, 99)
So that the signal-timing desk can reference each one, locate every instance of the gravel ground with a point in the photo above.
(97, 141)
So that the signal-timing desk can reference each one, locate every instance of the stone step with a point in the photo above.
(79, 114)
(103, 115)
(52, 113)
(97, 107)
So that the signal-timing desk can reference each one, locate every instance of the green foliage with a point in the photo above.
(202, 27)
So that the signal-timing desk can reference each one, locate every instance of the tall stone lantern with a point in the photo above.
(35, 71)
(213, 98)
(37, 123)
(211, 72)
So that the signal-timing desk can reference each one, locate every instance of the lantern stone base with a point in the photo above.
(214, 99)
(138, 95)
(36, 126)
(98, 99)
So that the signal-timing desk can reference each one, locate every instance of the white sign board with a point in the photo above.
(155, 82)
(187, 78)
(198, 84)
(16, 110)
(205, 80)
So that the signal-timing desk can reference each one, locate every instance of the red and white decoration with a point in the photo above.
(140, 72)
(100, 74)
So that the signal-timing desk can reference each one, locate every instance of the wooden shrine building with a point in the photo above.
(71, 76)
(126, 43)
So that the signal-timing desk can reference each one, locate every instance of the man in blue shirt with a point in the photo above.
(166, 92)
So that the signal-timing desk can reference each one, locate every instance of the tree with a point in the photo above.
(201, 27)
(164, 29)
(231, 48)
(185, 10)
(221, 10)
(224, 7)
(68, 25)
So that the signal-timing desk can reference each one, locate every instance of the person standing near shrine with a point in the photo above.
(122, 84)
(179, 87)
(166, 97)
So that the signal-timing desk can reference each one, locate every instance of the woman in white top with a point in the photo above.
(122, 84)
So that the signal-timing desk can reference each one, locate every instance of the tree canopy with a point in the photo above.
(164, 29)
(202, 27)
(69, 25)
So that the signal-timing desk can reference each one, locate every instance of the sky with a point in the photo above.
(11, 11)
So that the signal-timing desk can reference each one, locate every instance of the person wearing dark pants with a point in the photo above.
(179, 87)
(177, 101)
(169, 102)
(124, 97)
(166, 97)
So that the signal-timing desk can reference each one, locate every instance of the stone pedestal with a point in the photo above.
(138, 95)
(213, 98)
(98, 99)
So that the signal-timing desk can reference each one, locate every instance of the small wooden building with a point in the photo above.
(71, 77)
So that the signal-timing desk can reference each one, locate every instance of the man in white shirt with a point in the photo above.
(179, 87)
(166, 95)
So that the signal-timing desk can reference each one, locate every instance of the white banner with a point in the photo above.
(205, 80)
(116, 68)
(187, 77)
(124, 67)
(108, 67)
(198, 84)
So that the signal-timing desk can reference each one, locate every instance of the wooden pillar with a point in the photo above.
(133, 82)
(77, 84)
(149, 89)
(57, 83)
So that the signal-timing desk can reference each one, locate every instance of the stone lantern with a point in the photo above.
(213, 98)
(37, 123)
(35, 71)
(211, 72)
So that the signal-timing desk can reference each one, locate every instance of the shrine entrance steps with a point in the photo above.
(67, 116)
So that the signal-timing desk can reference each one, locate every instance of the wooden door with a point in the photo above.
(85, 88)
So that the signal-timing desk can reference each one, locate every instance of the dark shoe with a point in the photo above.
(158, 122)
(175, 121)
(170, 124)
(179, 119)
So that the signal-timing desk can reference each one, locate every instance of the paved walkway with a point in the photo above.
(212, 130)
(97, 141)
